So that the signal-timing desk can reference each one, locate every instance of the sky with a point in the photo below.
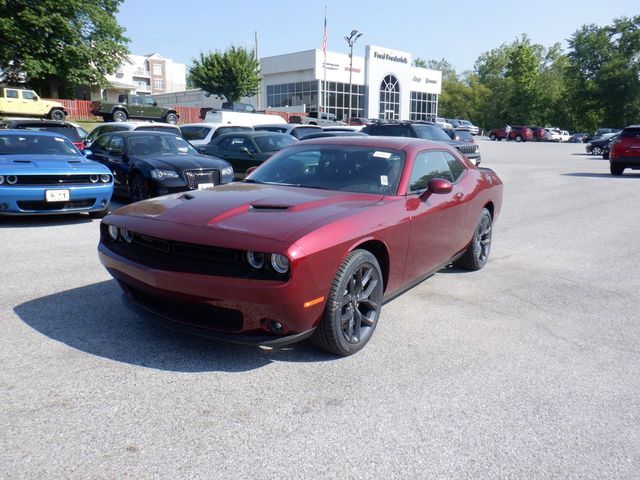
(458, 31)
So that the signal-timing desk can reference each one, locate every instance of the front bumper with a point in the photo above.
(30, 200)
(222, 307)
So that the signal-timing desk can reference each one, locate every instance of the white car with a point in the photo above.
(442, 123)
(202, 133)
(298, 130)
(469, 126)
(552, 135)
(564, 136)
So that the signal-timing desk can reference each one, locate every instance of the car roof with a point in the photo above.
(134, 125)
(34, 133)
(394, 143)
(211, 124)
(133, 133)
(37, 121)
(249, 133)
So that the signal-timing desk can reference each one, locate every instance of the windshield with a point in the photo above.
(158, 128)
(356, 169)
(431, 132)
(195, 133)
(273, 143)
(159, 144)
(36, 145)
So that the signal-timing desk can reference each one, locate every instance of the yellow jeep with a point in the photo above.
(26, 103)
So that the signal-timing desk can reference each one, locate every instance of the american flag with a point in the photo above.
(323, 45)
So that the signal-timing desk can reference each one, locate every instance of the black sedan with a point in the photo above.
(148, 164)
(244, 150)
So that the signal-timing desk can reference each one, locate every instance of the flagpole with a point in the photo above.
(324, 48)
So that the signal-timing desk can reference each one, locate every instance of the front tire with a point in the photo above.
(138, 188)
(353, 305)
(518, 138)
(477, 252)
(596, 151)
(171, 118)
(56, 114)
(616, 170)
(492, 137)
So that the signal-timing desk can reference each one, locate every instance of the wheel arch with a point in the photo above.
(489, 206)
(119, 107)
(379, 250)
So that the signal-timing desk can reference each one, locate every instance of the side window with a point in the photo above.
(455, 166)
(428, 165)
(28, 95)
(11, 93)
(102, 143)
(225, 143)
(147, 101)
(116, 145)
(136, 100)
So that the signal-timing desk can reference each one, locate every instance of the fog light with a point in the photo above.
(103, 203)
(3, 206)
(93, 178)
(12, 179)
(255, 259)
(273, 326)
(113, 232)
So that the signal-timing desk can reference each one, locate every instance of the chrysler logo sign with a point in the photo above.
(391, 58)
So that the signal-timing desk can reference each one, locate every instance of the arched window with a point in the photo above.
(390, 98)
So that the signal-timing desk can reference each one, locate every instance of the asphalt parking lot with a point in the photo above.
(528, 368)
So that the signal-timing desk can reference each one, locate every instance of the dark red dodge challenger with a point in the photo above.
(311, 244)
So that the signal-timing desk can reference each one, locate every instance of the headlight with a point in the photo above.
(255, 259)
(104, 178)
(12, 179)
(113, 232)
(279, 263)
(127, 236)
(94, 178)
(1, 179)
(226, 171)
(162, 174)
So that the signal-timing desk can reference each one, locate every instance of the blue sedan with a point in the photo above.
(44, 173)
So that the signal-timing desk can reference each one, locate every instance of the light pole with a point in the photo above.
(351, 39)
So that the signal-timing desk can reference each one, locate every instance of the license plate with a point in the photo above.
(205, 185)
(56, 195)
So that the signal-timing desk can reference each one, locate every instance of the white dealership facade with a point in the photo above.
(384, 84)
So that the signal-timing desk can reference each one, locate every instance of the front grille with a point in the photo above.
(467, 149)
(58, 180)
(196, 177)
(184, 257)
(198, 314)
(42, 205)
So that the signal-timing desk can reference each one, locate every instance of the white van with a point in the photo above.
(241, 118)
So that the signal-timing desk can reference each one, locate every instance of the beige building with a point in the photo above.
(144, 75)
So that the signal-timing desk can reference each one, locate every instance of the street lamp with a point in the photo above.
(351, 39)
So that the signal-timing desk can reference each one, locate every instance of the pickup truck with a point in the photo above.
(321, 118)
(26, 103)
(140, 107)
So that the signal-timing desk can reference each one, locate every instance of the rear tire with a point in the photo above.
(518, 138)
(353, 305)
(596, 151)
(492, 137)
(56, 114)
(171, 118)
(119, 116)
(477, 252)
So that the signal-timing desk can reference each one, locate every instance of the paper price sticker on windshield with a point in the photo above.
(384, 180)
(386, 155)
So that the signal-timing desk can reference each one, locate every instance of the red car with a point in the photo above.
(625, 151)
(311, 244)
(518, 133)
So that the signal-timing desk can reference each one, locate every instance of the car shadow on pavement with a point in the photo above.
(11, 221)
(93, 319)
(602, 175)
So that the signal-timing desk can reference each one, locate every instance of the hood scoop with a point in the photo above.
(74, 161)
(22, 161)
(268, 208)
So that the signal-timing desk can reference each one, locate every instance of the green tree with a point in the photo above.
(420, 62)
(233, 74)
(55, 44)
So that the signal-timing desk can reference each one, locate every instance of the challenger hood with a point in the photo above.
(267, 211)
(49, 164)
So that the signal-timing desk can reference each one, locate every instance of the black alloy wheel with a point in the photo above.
(56, 114)
(353, 305)
(139, 188)
(477, 252)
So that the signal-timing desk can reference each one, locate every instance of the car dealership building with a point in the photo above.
(384, 84)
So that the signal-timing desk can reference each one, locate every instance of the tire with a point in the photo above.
(477, 252)
(605, 154)
(138, 188)
(518, 138)
(353, 305)
(56, 114)
(171, 118)
(492, 137)
(596, 151)
(99, 213)
(616, 170)
(119, 116)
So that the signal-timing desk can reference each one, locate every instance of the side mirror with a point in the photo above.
(155, 104)
(87, 153)
(439, 186)
(35, 99)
